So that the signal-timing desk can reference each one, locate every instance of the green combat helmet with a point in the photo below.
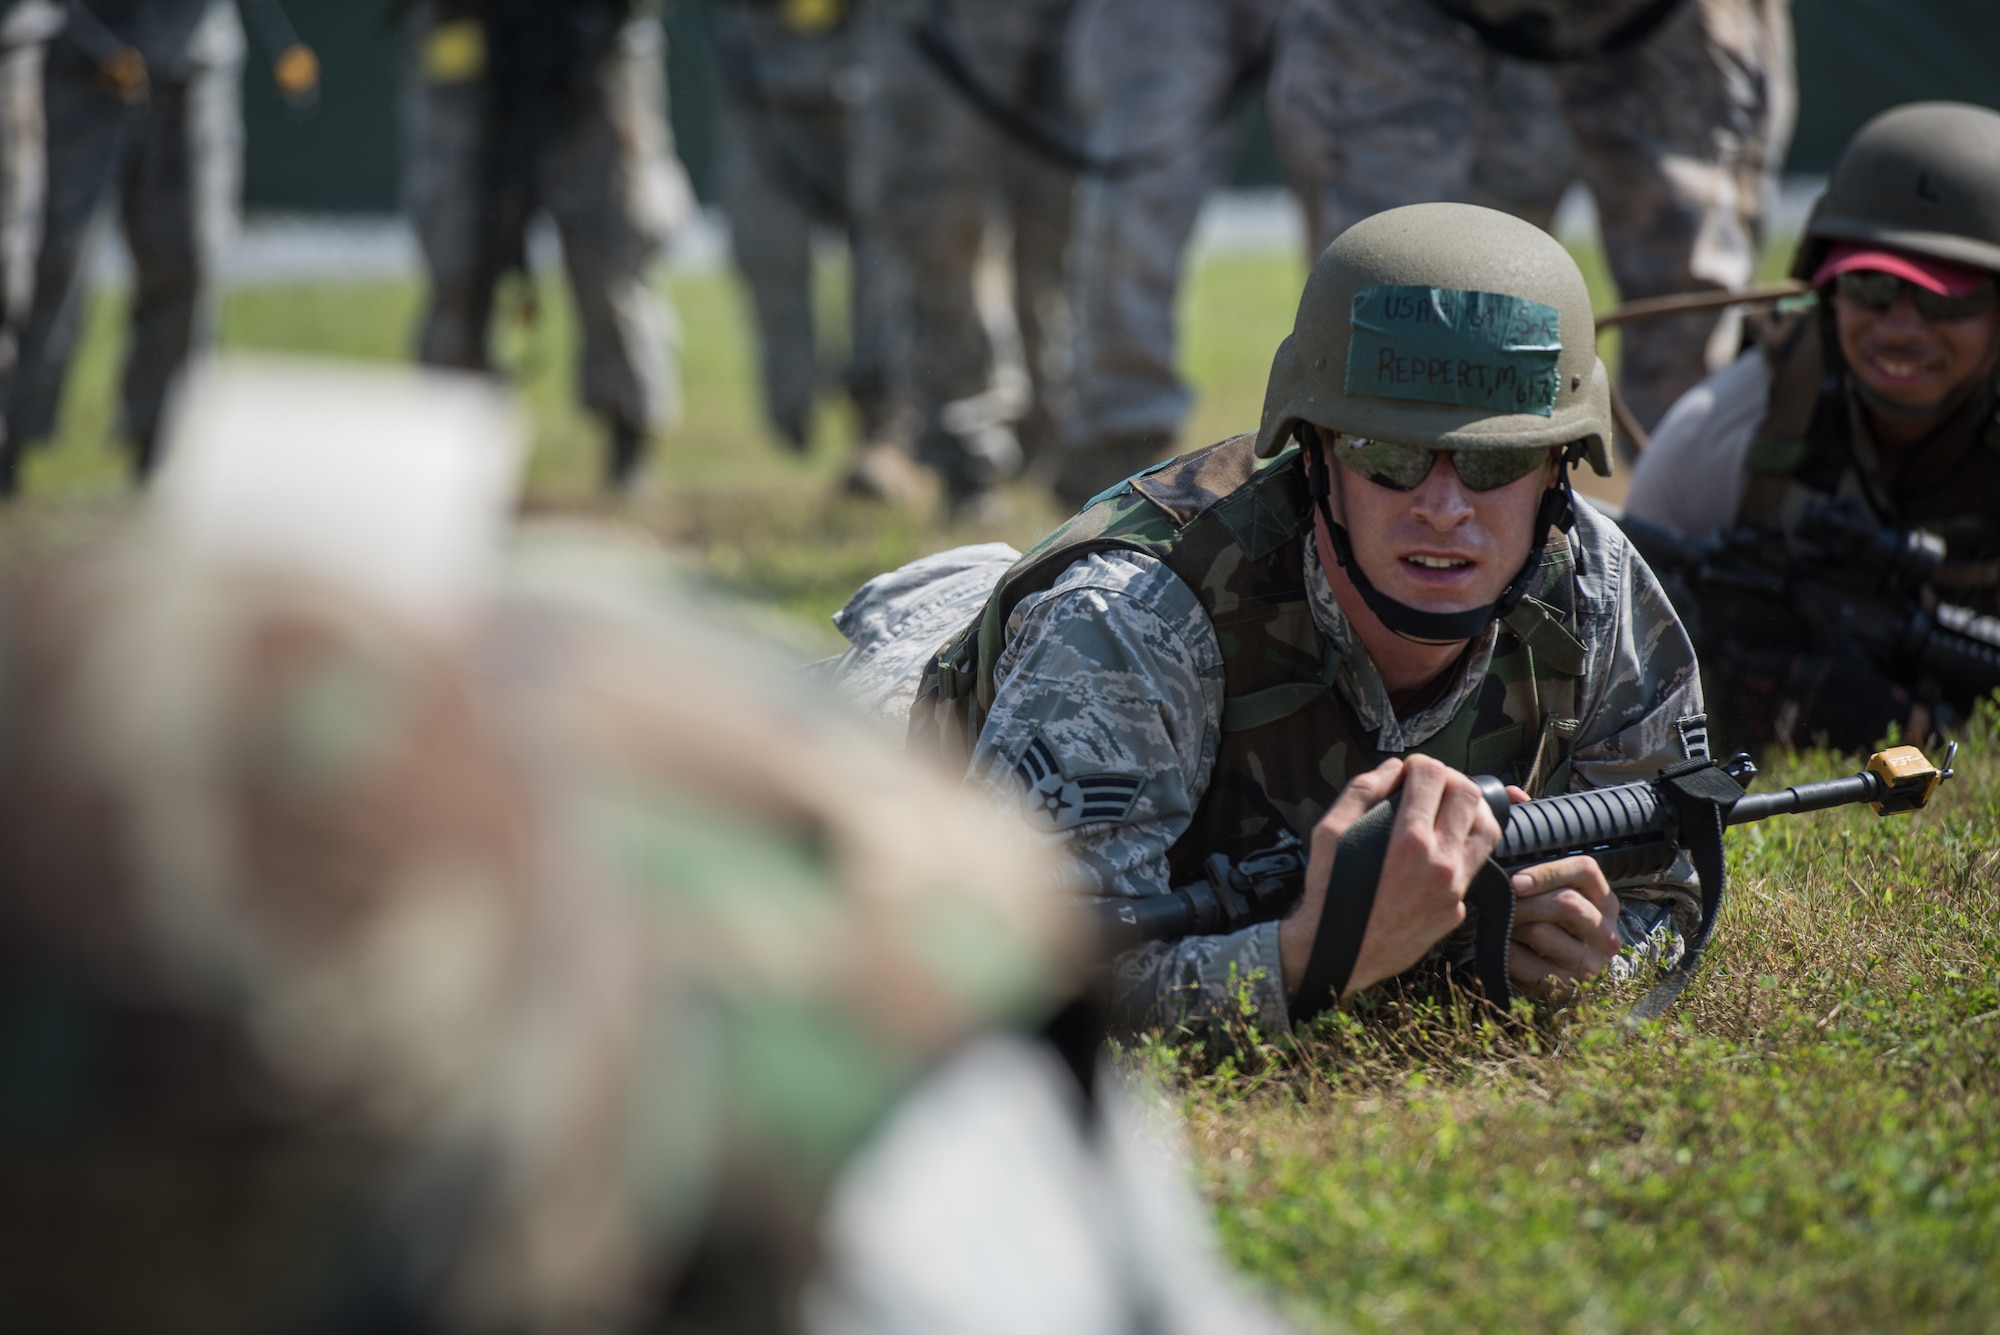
(1448, 326)
(1319, 372)
(1922, 178)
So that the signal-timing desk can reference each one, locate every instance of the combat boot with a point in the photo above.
(627, 452)
(145, 455)
(885, 472)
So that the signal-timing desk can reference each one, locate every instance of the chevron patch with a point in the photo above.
(1054, 801)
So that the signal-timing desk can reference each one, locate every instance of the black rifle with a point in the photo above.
(1261, 888)
(1632, 830)
(1837, 582)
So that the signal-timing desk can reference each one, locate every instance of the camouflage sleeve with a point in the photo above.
(897, 621)
(1106, 719)
(1639, 679)
(1639, 673)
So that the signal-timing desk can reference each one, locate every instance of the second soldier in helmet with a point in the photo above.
(1880, 394)
(1388, 586)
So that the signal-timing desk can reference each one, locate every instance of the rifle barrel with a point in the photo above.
(1806, 797)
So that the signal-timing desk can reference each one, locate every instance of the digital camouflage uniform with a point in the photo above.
(602, 167)
(1199, 616)
(1676, 137)
(1169, 678)
(575, 971)
(930, 171)
(1150, 78)
(790, 76)
(175, 162)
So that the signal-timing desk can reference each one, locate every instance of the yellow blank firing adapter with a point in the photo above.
(1908, 780)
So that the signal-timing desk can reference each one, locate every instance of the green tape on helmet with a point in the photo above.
(1443, 345)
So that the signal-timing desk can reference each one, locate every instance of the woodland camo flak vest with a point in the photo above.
(1234, 533)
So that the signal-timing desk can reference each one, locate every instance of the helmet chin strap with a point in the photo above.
(1557, 510)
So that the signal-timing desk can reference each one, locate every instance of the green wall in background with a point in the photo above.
(1855, 58)
(1858, 57)
(343, 158)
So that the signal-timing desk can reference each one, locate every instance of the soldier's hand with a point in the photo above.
(1565, 925)
(1442, 834)
(124, 73)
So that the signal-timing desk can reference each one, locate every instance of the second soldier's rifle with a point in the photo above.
(1836, 581)
(1632, 830)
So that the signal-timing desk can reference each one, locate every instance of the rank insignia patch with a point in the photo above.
(1054, 801)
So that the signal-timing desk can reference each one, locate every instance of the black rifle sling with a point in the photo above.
(1343, 918)
(1491, 897)
(1350, 898)
(1701, 795)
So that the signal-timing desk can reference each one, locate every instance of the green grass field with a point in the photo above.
(1811, 1141)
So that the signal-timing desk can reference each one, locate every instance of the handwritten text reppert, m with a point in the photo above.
(1443, 345)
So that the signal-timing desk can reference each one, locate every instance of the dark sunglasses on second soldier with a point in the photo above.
(1877, 291)
(1403, 467)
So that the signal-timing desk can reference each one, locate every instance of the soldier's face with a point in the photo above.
(1440, 547)
(1913, 361)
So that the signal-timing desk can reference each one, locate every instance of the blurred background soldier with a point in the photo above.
(790, 74)
(25, 29)
(144, 97)
(512, 107)
(931, 171)
(519, 957)
(1156, 83)
(1673, 112)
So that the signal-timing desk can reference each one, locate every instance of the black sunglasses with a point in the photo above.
(1403, 467)
(1874, 290)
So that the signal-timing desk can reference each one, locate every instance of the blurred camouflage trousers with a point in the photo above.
(785, 172)
(929, 170)
(609, 180)
(176, 164)
(1675, 138)
(25, 28)
(1148, 75)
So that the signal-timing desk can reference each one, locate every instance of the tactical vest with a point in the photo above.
(1234, 529)
(1804, 451)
